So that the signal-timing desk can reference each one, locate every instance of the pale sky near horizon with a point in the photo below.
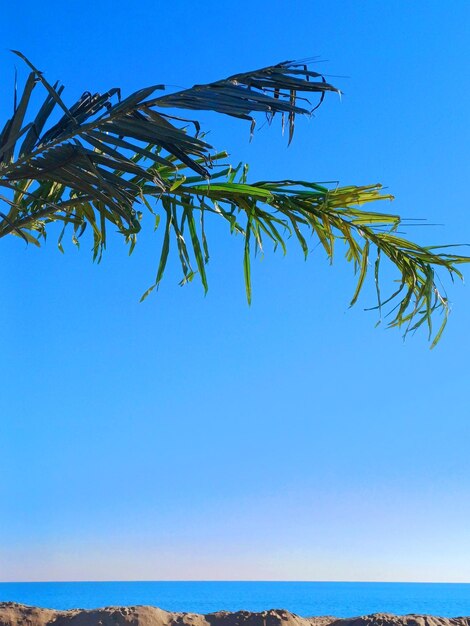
(192, 437)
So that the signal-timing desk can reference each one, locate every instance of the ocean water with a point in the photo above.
(303, 598)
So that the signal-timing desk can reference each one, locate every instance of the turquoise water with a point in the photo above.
(303, 598)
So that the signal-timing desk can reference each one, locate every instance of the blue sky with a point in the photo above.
(193, 437)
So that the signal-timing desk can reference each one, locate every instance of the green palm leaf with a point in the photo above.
(104, 160)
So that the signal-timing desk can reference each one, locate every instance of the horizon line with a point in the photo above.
(349, 582)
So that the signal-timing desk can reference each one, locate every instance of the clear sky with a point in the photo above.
(193, 437)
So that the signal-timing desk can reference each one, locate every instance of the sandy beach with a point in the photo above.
(13, 614)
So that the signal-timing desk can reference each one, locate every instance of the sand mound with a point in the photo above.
(12, 614)
(387, 619)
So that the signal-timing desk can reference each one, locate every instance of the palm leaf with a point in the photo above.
(102, 159)
(281, 209)
(271, 90)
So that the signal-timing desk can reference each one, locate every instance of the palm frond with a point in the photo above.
(276, 211)
(103, 160)
(271, 90)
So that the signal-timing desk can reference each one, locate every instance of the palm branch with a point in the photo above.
(104, 160)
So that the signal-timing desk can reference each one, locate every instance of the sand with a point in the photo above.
(13, 614)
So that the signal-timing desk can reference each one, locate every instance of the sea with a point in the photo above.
(341, 599)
